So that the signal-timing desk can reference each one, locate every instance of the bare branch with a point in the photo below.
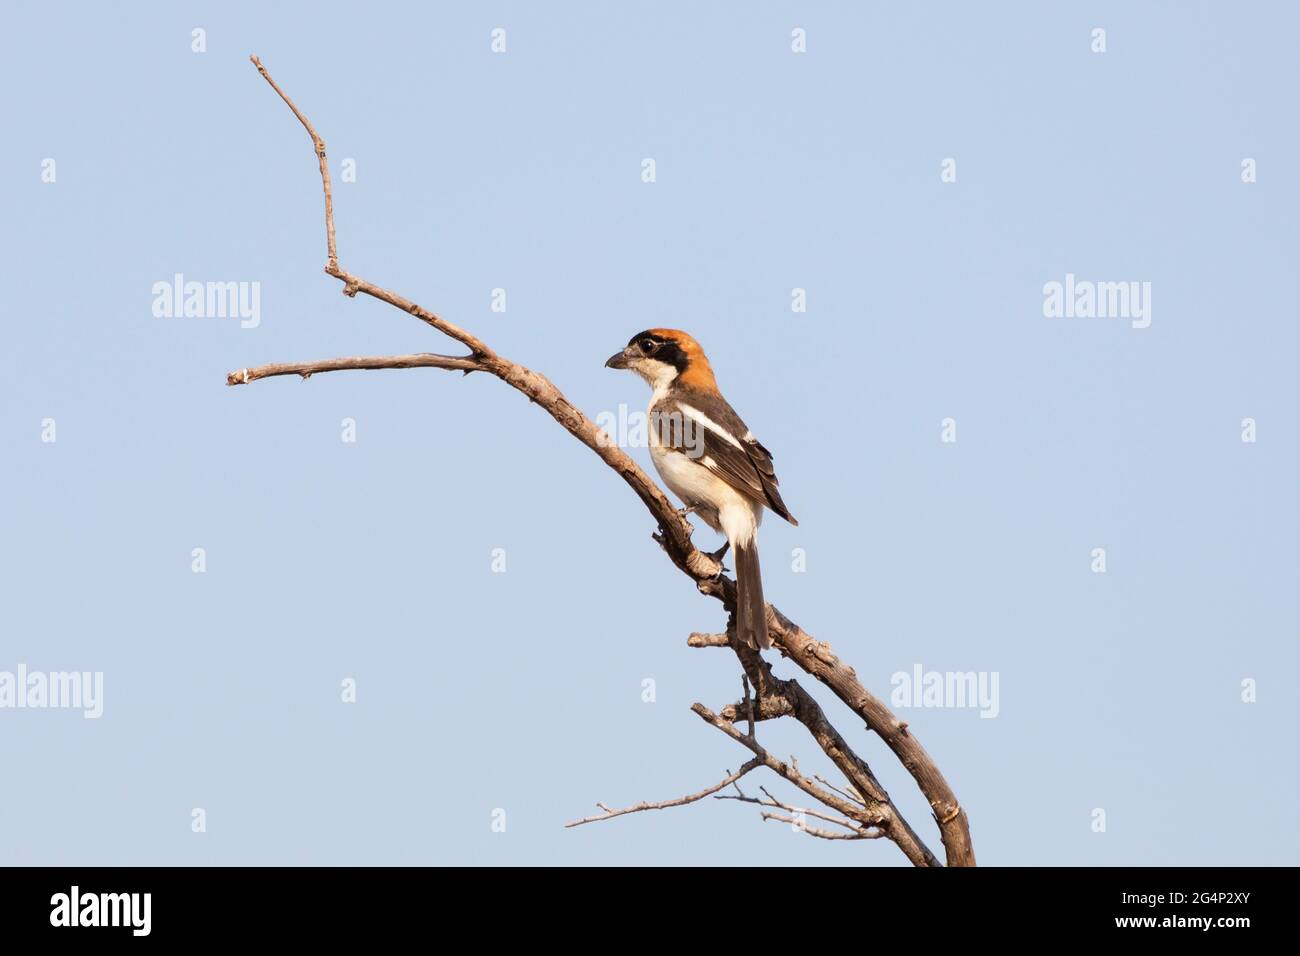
(779, 766)
(708, 640)
(849, 793)
(817, 659)
(749, 704)
(353, 284)
(664, 804)
(319, 144)
(818, 832)
(705, 570)
(855, 828)
(778, 696)
(308, 369)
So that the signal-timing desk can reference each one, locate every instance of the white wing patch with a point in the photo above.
(699, 417)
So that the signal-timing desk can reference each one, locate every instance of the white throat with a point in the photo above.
(659, 375)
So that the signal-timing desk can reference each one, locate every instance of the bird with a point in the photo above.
(708, 457)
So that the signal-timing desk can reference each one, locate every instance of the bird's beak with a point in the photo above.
(617, 360)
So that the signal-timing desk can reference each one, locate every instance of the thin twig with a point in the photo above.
(818, 832)
(664, 804)
(850, 793)
(777, 804)
(319, 144)
(308, 369)
(781, 767)
(354, 284)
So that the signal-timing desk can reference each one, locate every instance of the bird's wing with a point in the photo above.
(709, 431)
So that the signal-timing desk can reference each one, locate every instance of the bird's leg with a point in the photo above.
(715, 555)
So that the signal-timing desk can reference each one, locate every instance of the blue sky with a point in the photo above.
(372, 560)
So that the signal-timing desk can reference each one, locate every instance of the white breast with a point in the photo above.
(721, 506)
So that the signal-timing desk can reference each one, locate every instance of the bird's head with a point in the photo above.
(664, 357)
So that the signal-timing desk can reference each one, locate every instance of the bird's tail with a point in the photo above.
(751, 610)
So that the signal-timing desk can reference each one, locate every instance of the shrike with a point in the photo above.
(708, 458)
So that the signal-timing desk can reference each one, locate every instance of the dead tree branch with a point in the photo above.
(855, 830)
(708, 640)
(308, 369)
(788, 771)
(772, 698)
(678, 802)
